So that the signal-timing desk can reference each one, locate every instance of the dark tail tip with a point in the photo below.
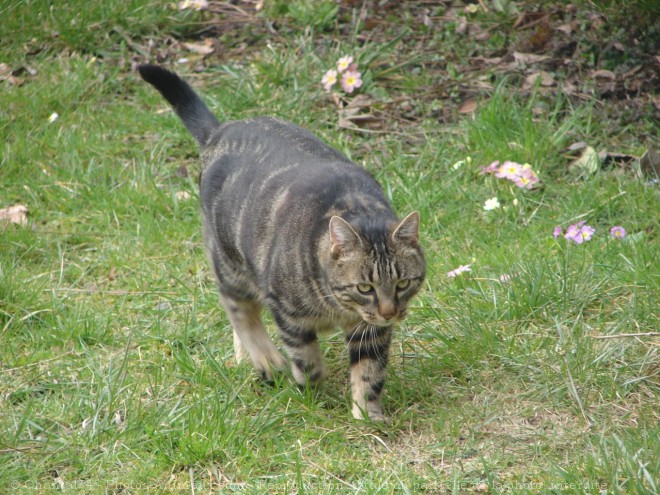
(150, 72)
(186, 103)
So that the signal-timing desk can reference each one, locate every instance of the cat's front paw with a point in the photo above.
(373, 412)
(266, 364)
(308, 373)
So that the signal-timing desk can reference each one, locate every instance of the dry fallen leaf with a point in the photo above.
(567, 28)
(462, 27)
(569, 88)
(546, 79)
(204, 48)
(631, 72)
(603, 74)
(588, 162)
(12, 75)
(596, 21)
(485, 61)
(580, 145)
(193, 4)
(529, 58)
(468, 106)
(350, 117)
(528, 19)
(483, 36)
(7, 74)
(14, 214)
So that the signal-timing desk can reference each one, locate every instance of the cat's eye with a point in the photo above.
(365, 288)
(402, 284)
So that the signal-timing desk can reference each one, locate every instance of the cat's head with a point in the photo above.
(374, 269)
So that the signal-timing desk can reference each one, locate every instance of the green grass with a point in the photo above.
(116, 367)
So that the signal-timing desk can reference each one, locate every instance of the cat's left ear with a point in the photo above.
(408, 229)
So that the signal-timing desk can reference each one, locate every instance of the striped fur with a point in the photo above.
(292, 225)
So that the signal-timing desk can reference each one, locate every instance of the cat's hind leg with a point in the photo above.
(250, 336)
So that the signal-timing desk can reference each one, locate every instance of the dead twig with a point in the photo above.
(118, 292)
(624, 335)
(38, 363)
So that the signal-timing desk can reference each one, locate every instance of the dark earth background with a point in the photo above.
(603, 54)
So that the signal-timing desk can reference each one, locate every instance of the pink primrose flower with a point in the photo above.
(457, 271)
(329, 79)
(351, 80)
(618, 232)
(586, 233)
(573, 230)
(527, 179)
(490, 169)
(345, 63)
(509, 170)
(579, 233)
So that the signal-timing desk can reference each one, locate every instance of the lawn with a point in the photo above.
(533, 369)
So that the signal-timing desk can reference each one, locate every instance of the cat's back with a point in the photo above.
(259, 159)
(268, 142)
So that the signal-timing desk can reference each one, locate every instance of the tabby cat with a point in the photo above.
(292, 224)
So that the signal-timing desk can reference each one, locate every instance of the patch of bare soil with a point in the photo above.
(611, 61)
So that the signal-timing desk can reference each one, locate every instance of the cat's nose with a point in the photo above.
(387, 310)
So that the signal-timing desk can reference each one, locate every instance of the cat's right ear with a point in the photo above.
(342, 236)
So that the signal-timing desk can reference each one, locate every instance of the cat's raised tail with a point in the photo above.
(190, 108)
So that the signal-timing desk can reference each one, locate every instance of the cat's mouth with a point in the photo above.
(373, 317)
(383, 322)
